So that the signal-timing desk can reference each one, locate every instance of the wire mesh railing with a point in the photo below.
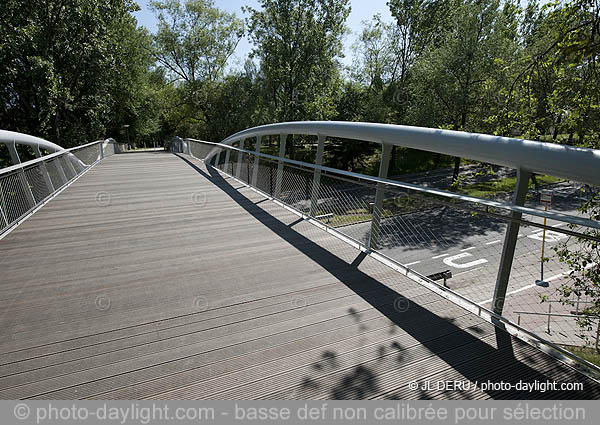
(24, 187)
(429, 234)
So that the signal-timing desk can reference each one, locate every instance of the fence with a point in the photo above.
(26, 186)
(491, 248)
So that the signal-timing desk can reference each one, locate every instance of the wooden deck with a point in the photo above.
(153, 277)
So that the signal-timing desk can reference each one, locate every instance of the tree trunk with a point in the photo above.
(456, 169)
(290, 148)
(555, 132)
(534, 181)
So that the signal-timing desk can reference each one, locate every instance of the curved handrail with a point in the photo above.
(552, 215)
(12, 137)
(69, 151)
(25, 139)
(31, 184)
(568, 162)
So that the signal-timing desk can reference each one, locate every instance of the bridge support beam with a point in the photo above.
(279, 176)
(314, 197)
(256, 162)
(238, 167)
(510, 242)
(44, 170)
(226, 164)
(217, 158)
(384, 165)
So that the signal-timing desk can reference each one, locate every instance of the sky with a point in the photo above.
(361, 10)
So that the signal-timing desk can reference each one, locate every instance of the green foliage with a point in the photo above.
(65, 67)
(192, 46)
(194, 40)
(584, 262)
(298, 43)
(77, 70)
(492, 188)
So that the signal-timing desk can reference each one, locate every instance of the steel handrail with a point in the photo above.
(26, 139)
(580, 221)
(568, 162)
(34, 161)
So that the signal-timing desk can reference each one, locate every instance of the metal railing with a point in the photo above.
(24, 187)
(490, 247)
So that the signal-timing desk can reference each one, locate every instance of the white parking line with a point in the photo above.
(493, 242)
(413, 263)
(440, 256)
(467, 249)
(550, 279)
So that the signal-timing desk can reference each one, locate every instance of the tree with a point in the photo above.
(58, 66)
(452, 73)
(375, 67)
(555, 89)
(298, 43)
(584, 265)
(193, 43)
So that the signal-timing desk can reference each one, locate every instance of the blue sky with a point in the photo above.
(361, 10)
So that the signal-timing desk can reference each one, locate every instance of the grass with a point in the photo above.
(587, 353)
(345, 219)
(353, 216)
(507, 184)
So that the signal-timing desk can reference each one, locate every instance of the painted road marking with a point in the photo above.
(450, 261)
(550, 279)
(467, 249)
(413, 263)
(493, 242)
(439, 256)
(550, 236)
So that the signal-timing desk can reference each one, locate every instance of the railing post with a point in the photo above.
(70, 164)
(238, 168)
(510, 242)
(14, 156)
(226, 164)
(384, 166)
(189, 148)
(280, 165)
(256, 162)
(44, 170)
(101, 150)
(3, 203)
(314, 197)
(59, 168)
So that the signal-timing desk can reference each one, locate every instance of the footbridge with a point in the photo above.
(230, 270)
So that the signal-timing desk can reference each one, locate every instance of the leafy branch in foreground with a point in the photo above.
(583, 260)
